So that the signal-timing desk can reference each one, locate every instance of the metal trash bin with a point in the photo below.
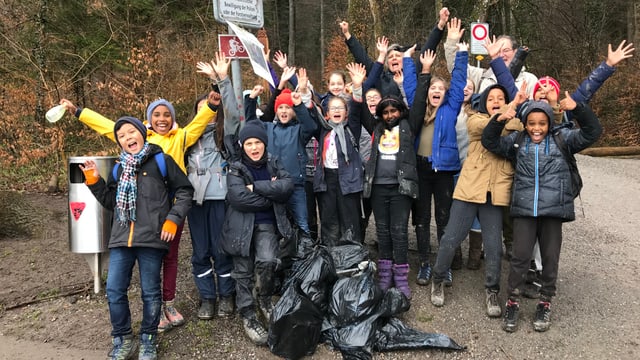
(89, 222)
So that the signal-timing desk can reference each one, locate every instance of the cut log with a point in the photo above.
(612, 151)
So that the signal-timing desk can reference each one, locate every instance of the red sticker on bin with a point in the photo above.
(76, 209)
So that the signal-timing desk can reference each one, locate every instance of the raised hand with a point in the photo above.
(280, 59)
(383, 45)
(454, 31)
(427, 59)
(462, 46)
(69, 106)
(521, 95)
(207, 69)
(567, 103)
(214, 98)
(410, 51)
(303, 80)
(344, 27)
(296, 98)
(357, 73)
(256, 91)
(443, 18)
(493, 46)
(90, 170)
(509, 114)
(287, 74)
(621, 53)
(221, 65)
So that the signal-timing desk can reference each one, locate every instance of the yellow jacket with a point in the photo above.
(484, 171)
(175, 143)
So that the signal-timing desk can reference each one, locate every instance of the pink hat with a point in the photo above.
(549, 81)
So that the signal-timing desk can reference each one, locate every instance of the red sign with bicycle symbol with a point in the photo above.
(231, 47)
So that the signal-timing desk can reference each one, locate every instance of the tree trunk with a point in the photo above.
(377, 23)
(39, 55)
(292, 32)
(322, 43)
(634, 22)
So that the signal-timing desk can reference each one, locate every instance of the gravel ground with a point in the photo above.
(596, 314)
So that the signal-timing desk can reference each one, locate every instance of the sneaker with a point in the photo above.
(172, 314)
(254, 330)
(510, 321)
(437, 294)
(542, 320)
(225, 306)
(266, 307)
(148, 348)
(424, 274)
(123, 347)
(493, 307)
(164, 324)
(448, 278)
(207, 307)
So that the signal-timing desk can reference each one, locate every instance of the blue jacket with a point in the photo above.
(542, 181)
(444, 151)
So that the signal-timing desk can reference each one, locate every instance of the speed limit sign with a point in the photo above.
(479, 33)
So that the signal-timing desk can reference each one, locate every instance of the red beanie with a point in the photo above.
(283, 98)
(547, 80)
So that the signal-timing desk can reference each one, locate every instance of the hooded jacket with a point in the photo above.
(483, 171)
(542, 183)
(153, 203)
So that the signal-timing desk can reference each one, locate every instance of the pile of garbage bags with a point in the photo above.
(330, 296)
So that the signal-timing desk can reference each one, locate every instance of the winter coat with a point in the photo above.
(153, 203)
(175, 143)
(407, 174)
(237, 230)
(444, 152)
(542, 183)
(350, 174)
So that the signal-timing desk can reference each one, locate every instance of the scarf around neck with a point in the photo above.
(127, 185)
(339, 130)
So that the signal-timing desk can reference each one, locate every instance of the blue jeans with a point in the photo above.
(205, 224)
(121, 261)
(298, 206)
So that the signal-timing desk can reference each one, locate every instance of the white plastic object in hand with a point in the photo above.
(55, 113)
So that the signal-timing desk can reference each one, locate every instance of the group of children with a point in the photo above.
(242, 184)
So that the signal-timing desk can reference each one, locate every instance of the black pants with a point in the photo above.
(391, 211)
(262, 262)
(548, 232)
(339, 213)
(439, 186)
(312, 209)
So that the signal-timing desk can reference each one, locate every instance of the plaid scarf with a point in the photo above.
(127, 186)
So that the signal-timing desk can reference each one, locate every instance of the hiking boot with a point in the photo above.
(493, 307)
(437, 294)
(123, 347)
(254, 330)
(448, 278)
(401, 279)
(164, 324)
(172, 314)
(225, 306)
(148, 348)
(510, 321)
(266, 307)
(542, 320)
(207, 309)
(456, 263)
(424, 274)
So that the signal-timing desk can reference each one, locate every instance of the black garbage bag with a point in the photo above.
(393, 303)
(395, 335)
(316, 275)
(348, 256)
(354, 299)
(295, 326)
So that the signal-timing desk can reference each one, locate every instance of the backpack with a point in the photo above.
(576, 179)
(162, 166)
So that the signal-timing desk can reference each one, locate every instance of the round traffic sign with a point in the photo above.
(479, 31)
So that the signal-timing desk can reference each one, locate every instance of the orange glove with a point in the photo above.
(169, 229)
(90, 176)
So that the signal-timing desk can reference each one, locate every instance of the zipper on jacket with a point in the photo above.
(537, 181)
(130, 239)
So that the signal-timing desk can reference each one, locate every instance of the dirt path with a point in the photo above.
(596, 314)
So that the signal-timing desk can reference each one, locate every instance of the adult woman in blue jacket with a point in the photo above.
(437, 154)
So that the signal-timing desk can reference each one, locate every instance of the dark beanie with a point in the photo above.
(129, 120)
(253, 129)
(536, 106)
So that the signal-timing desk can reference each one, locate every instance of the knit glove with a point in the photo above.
(91, 176)
(169, 229)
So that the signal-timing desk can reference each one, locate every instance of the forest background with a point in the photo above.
(116, 56)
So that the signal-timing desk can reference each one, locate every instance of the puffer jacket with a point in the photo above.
(542, 183)
(237, 230)
(153, 203)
